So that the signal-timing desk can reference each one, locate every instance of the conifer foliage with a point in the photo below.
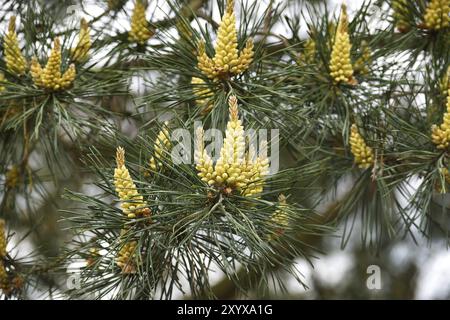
(179, 139)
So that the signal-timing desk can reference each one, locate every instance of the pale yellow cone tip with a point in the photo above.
(343, 19)
(120, 157)
(12, 24)
(230, 6)
(83, 23)
(233, 104)
(282, 198)
(200, 145)
(56, 43)
(199, 132)
(201, 47)
(3, 242)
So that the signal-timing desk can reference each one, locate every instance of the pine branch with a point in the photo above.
(226, 288)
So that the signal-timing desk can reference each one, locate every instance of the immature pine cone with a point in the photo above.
(341, 69)
(361, 151)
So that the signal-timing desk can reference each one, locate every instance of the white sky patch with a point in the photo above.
(434, 263)
(305, 268)
(332, 268)
(401, 254)
(434, 278)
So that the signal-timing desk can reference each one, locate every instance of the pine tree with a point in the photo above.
(155, 201)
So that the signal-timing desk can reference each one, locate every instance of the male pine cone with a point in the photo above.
(132, 203)
(400, 15)
(140, 30)
(202, 94)
(125, 257)
(234, 170)
(2, 79)
(50, 77)
(279, 218)
(341, 69)
(362, 153)
(363, 62)
(3, 242)
(437, 14)
(445, 82)
(161, 148)
(308, 54)
(440, 135)
(227, 61)
(4, 281)
(15, 61)
(81, 51)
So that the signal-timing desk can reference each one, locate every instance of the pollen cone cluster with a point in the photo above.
(446, 174)
(10, 281)
(309, 52)
(362, 153)
(341, 69)
(363, 62)
(445, 82)
(50, 77)
(227, 61)
(440, 135)
(81, 51)
(202, 93)
(235, 169)
(2, 79)
(256, 171)
(4, 281)
(400, 15)
(125, 257)
(2, 239)
(332, 27)
(12, 177)
(161, 148)
(132, 203)
(140, 30)
(437, 14)
(279, 218)
(15, 61)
